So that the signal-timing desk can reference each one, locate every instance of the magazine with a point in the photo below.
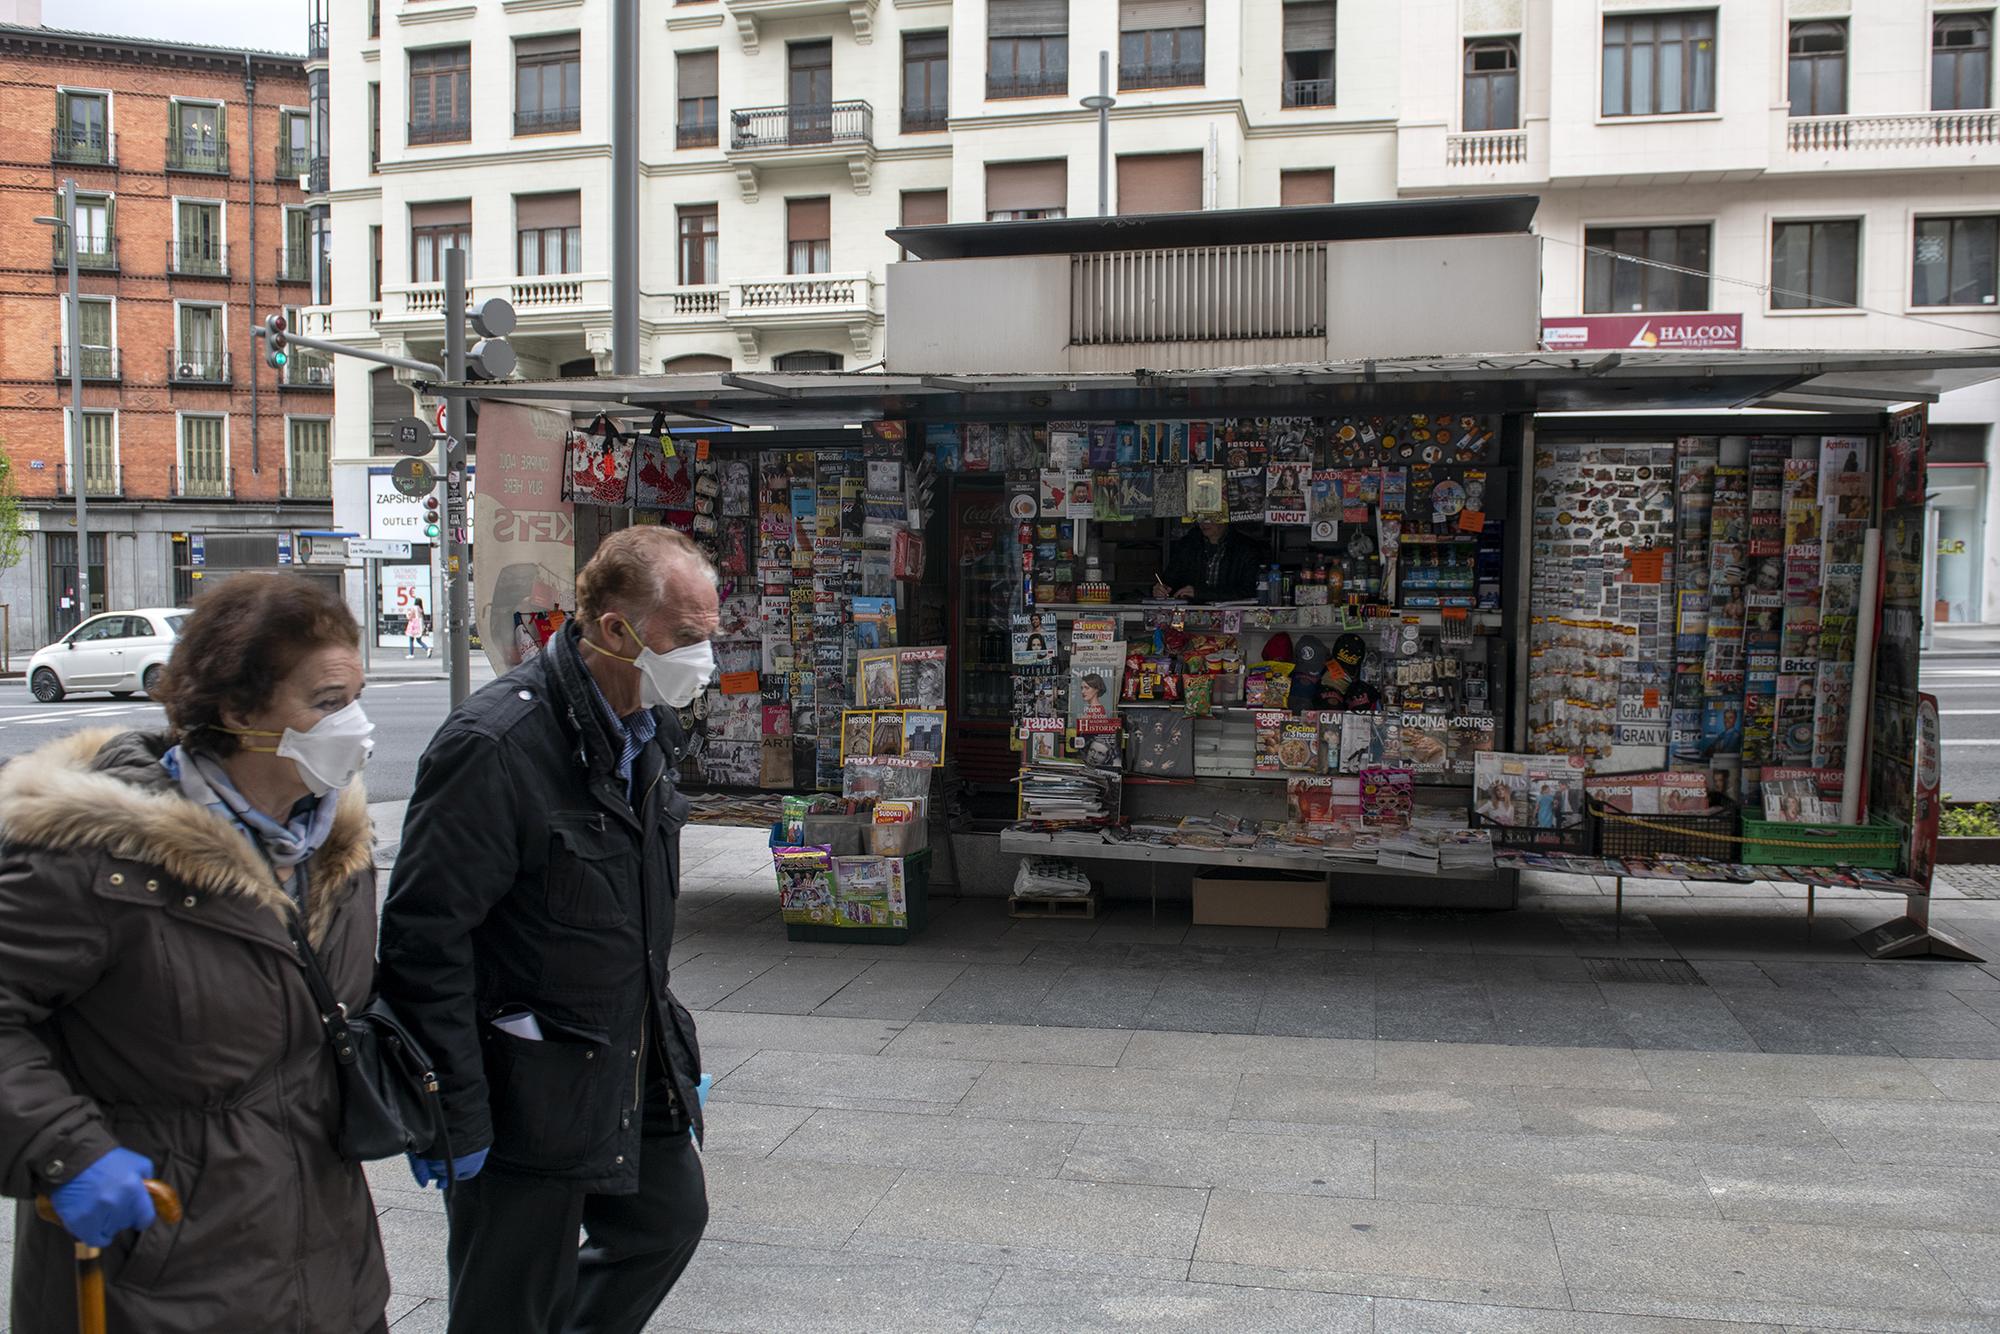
(1270, 725)
(1388, 795)
(1034, 639)
(874, 622)
(923, 733)
(1802, 796)
(805, 883)
(1531, 800)
(1245, 494)
(1096, 675)
(1664, 792)
(877, 679)
(920, 678)
(1159, 742)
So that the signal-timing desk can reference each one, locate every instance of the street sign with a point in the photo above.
(410, 436)
(368, 548)
(438, 416)
(414, 477)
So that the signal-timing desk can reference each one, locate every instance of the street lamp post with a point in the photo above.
(1101, 102)
(74, 343)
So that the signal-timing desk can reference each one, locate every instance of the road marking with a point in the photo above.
(1949, 742)
(1989, 673)
(1967, 713)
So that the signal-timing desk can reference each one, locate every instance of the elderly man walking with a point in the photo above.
(525, 940)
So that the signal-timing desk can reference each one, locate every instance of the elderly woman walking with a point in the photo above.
(154, 1017)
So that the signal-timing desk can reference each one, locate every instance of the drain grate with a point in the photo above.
(1675, 972)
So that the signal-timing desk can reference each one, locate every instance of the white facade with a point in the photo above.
(1736, 164)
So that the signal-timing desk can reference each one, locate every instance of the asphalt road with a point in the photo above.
(405, 713)
(1967, 686)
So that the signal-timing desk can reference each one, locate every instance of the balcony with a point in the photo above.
(200, 483)
(842, 301)
(455, 131)
(316, 172)
(198, 367)
(696, 134)
(1430, 157)
(197, 259)
(748, 13)
(1932, 139)
(1307, 93)
(100, 479)
(802, 136)
(546, 303)
(1167, 74)
(1493, 148)
(553, 120)
(552, 289)
(313, 482)
(925, 120)
(316, 40)
(98, 364)
(695, 305)
(307, 369)
(290, 164)
(94, 254)
(83, 148)
(198, 154)
(294, 266)
(1049, 83)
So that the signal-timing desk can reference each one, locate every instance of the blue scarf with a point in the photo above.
(206, 783)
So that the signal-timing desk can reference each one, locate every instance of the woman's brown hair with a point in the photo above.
(244, 637)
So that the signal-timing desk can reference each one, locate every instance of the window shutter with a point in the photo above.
(62, 111)
(1305, 187)
(1027, 18)
(808, 220)
(695, 73)
(554, 210)
(1159, 183)
(1149, 15)
(924, 208)
(1011, 186)
(1309, 25)
(548, 46)
(221, 125)
(441, 214)
(174, 122)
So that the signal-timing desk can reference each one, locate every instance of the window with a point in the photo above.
(1817, 74)
(808, 233)
(1160, 43)
(697, 228)
(924, 100)
(374, 128)
(1159, 183)
(548, 84)
(1492, 84)
(806, 361)
(1308, 53)
(1021, 191)
(204, 457)
(1961, 62)
(1814, 264)
(96, 247)
(83, 127)
(294, 144)
(1027, 48)
(1955, 261)
(195, 140)
(295, 260)
(1614, 286)
(434, 229)
(309, 466)
(695, 363)
(198, 239)
(548, 234)
(1305, 187)
(694, 80)
(100, 454)
(1659, 64)
(923, 208)
(198, 356)
(60, 549)
(441, 95)
(375, 265)
(808, 93)
(99, 358)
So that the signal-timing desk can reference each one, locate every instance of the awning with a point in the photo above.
(1515, 382)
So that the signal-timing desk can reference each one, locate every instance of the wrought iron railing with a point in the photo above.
(312, 482)
(696, 134)
(200, 483)
(197, 153)
(1049, 83)
(1308, 92)
(316, 44)
(96, 363)
(194, 258)
(98, 254)
(924, 120)
(85, 148)
(1163, 74)
(197, 365)
(452, 131)
(549, 120)
(797, 126)
(307, 369)
(290, 163)
(99, 479)
(294, 265)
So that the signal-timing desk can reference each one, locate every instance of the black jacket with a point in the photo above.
(1235, 573)
(527, 881)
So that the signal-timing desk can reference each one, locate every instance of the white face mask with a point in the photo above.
(672, 679)
(331, 754)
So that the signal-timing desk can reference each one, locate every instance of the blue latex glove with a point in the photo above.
(429, 1171)
(106, 1198)
(701, 1090)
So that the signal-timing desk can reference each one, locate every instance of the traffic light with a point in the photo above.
(431, 517)
(275, 355)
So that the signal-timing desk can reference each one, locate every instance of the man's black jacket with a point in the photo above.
(1233, 562)
(528, 881)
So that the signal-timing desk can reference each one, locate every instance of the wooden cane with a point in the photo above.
(90, 1259)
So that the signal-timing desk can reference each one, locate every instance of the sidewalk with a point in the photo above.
(1964, 641)
(1411, 1123)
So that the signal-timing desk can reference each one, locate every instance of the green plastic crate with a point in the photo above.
(1876, 844)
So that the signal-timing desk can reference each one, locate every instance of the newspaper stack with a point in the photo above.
(1409, 849)
(1466, 850)
(1060, 792)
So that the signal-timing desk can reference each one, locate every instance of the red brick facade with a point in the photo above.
(142, 81)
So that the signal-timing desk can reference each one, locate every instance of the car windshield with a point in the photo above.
(174, 623)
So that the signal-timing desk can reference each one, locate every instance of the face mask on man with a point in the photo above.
(672, 679)
(330, 755)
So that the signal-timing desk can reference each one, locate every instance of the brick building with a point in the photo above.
(191, 226)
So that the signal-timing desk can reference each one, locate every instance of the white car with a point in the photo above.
(120, 652)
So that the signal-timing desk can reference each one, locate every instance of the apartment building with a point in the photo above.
(196, 458)
(1829, 161)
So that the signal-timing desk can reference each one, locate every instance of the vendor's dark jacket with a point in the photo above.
(1187, 566)
(527, 881)
(150, 998)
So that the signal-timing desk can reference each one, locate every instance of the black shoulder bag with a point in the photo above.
(389, 1101)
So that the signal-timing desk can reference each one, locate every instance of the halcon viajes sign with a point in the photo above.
(1700, 331)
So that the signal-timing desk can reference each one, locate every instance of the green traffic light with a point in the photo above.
(430, 530)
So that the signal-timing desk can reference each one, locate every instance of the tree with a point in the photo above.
(13, 537)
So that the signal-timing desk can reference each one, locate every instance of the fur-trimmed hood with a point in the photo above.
(105, 791)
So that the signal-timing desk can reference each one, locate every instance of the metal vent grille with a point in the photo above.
(1674, 972)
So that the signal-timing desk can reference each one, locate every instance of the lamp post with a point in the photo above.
(67, 230)
(1101, 102)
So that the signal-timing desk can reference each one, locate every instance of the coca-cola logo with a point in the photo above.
(978, 516)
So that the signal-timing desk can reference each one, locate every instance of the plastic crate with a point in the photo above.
(1877, 844)
(1620, 834)
(916, 901)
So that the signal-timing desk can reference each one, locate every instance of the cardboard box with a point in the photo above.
(1250, 898)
